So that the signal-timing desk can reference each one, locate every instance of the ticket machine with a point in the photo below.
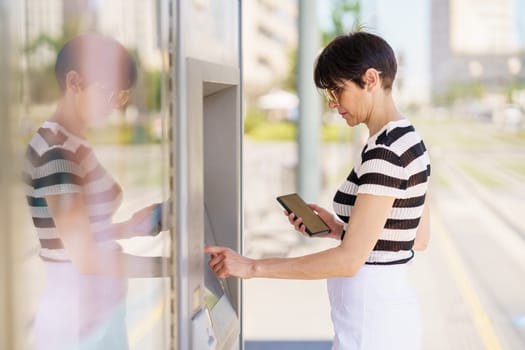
(208, 170)
(213, 203)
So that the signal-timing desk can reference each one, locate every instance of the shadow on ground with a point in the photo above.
(287, 345)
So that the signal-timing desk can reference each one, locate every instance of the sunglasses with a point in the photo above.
(116, 98)
(331, 96)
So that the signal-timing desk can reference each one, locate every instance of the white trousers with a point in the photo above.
(81, 312)
(375, 310)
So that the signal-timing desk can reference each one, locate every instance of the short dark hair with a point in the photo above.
(96, 58)
(347, 57)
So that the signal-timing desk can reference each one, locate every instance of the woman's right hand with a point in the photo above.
(336, 227)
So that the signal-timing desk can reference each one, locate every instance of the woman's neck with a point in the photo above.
(383, 112)
(67, 116)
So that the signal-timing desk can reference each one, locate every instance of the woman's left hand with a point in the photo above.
(336, 227)
(146, 221)
(225, 263)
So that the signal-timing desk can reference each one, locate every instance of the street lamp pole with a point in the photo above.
(309, 121)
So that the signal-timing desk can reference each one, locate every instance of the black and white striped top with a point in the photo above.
(394, 162)
(59, 162)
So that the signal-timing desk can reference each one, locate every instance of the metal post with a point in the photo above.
(308, 135)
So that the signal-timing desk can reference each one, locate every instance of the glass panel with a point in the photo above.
(212, 34)
(6, 332)
(94, 239)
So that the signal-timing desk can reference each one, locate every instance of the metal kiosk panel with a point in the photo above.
(213, 203)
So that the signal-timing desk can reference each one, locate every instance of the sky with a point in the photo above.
(520, 10)
(405, 25)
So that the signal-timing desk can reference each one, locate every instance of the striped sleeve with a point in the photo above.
(54, 172)
(382, 173)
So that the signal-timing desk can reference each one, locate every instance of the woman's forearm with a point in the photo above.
(334, 262)
(111, 262)
(119, 230)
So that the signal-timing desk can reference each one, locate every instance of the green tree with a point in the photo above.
(345, 16)
(290, 82)
(42, 87)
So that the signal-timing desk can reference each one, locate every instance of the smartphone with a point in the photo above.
(295, 204)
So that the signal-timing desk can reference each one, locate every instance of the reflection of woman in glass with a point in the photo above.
(72, 200)
(382, 207)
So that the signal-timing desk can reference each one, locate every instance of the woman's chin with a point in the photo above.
(351, 122)
(97, 123)
(98, 119)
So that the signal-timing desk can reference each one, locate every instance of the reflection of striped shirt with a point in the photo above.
(394, 163)
(57, 163)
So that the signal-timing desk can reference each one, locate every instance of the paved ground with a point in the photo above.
(468, 281)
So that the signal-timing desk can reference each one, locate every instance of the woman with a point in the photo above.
(72, 200)
(382, 208)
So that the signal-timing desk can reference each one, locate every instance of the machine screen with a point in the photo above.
(214, 287)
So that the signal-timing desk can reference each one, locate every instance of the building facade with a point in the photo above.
(270, 37)
(475, 41)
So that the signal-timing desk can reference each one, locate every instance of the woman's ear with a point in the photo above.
(372, 78)
(73, 81)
